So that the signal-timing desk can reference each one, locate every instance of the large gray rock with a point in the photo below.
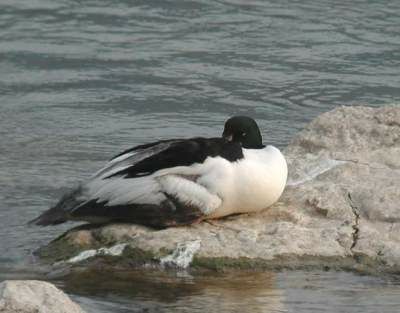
(33, 296)
(340, 209)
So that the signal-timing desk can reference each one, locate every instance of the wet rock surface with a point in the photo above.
(33, 296)
(340, 209)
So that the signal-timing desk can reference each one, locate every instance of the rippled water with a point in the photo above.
(82, 80)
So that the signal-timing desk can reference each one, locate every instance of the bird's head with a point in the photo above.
(243, 129)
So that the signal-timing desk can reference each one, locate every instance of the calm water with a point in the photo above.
(82, 80)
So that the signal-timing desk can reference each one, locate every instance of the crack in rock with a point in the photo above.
(222, 226)
(361, 163)
(355, 226)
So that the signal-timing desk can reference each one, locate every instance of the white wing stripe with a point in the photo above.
(112, 164)
(129, 159)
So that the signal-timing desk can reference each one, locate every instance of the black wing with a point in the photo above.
(145, 146)
(137, 162)
(183, 152)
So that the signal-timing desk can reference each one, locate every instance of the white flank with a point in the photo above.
(190, 193)
(183, 255)
(114, 251)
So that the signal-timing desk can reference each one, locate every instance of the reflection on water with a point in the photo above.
(152, 290)
(233, 291)
(182, 292)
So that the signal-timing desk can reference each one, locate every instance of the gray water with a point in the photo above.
(82, 80)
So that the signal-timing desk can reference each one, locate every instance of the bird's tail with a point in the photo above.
(53, 216)
(61, 211)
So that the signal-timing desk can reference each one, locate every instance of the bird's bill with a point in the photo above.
(228, 137)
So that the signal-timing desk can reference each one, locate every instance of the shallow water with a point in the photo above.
(235, 291)
(82, 80)
(241, 292)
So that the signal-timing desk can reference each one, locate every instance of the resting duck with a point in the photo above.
(179, 181)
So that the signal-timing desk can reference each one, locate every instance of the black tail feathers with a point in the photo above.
(52, 216)
(59, 213)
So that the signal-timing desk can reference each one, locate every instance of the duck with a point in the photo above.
(177, 182)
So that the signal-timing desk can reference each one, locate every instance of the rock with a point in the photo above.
(33, 296)
(340, 208)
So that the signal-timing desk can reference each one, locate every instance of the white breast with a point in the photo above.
(250, 184)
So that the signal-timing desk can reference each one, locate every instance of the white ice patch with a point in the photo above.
(183, 255)
(113, 251)
(317, 169)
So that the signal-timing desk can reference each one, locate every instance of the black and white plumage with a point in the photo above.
(179, 181)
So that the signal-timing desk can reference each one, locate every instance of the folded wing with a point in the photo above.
(152, 184)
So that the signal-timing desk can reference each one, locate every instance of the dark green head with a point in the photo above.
(245, 130)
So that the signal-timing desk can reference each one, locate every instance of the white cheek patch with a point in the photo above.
(190, 193)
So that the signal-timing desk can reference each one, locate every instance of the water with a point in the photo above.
(82, 80)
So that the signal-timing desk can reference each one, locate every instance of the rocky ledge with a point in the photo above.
(340, 209)
(33, 296)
